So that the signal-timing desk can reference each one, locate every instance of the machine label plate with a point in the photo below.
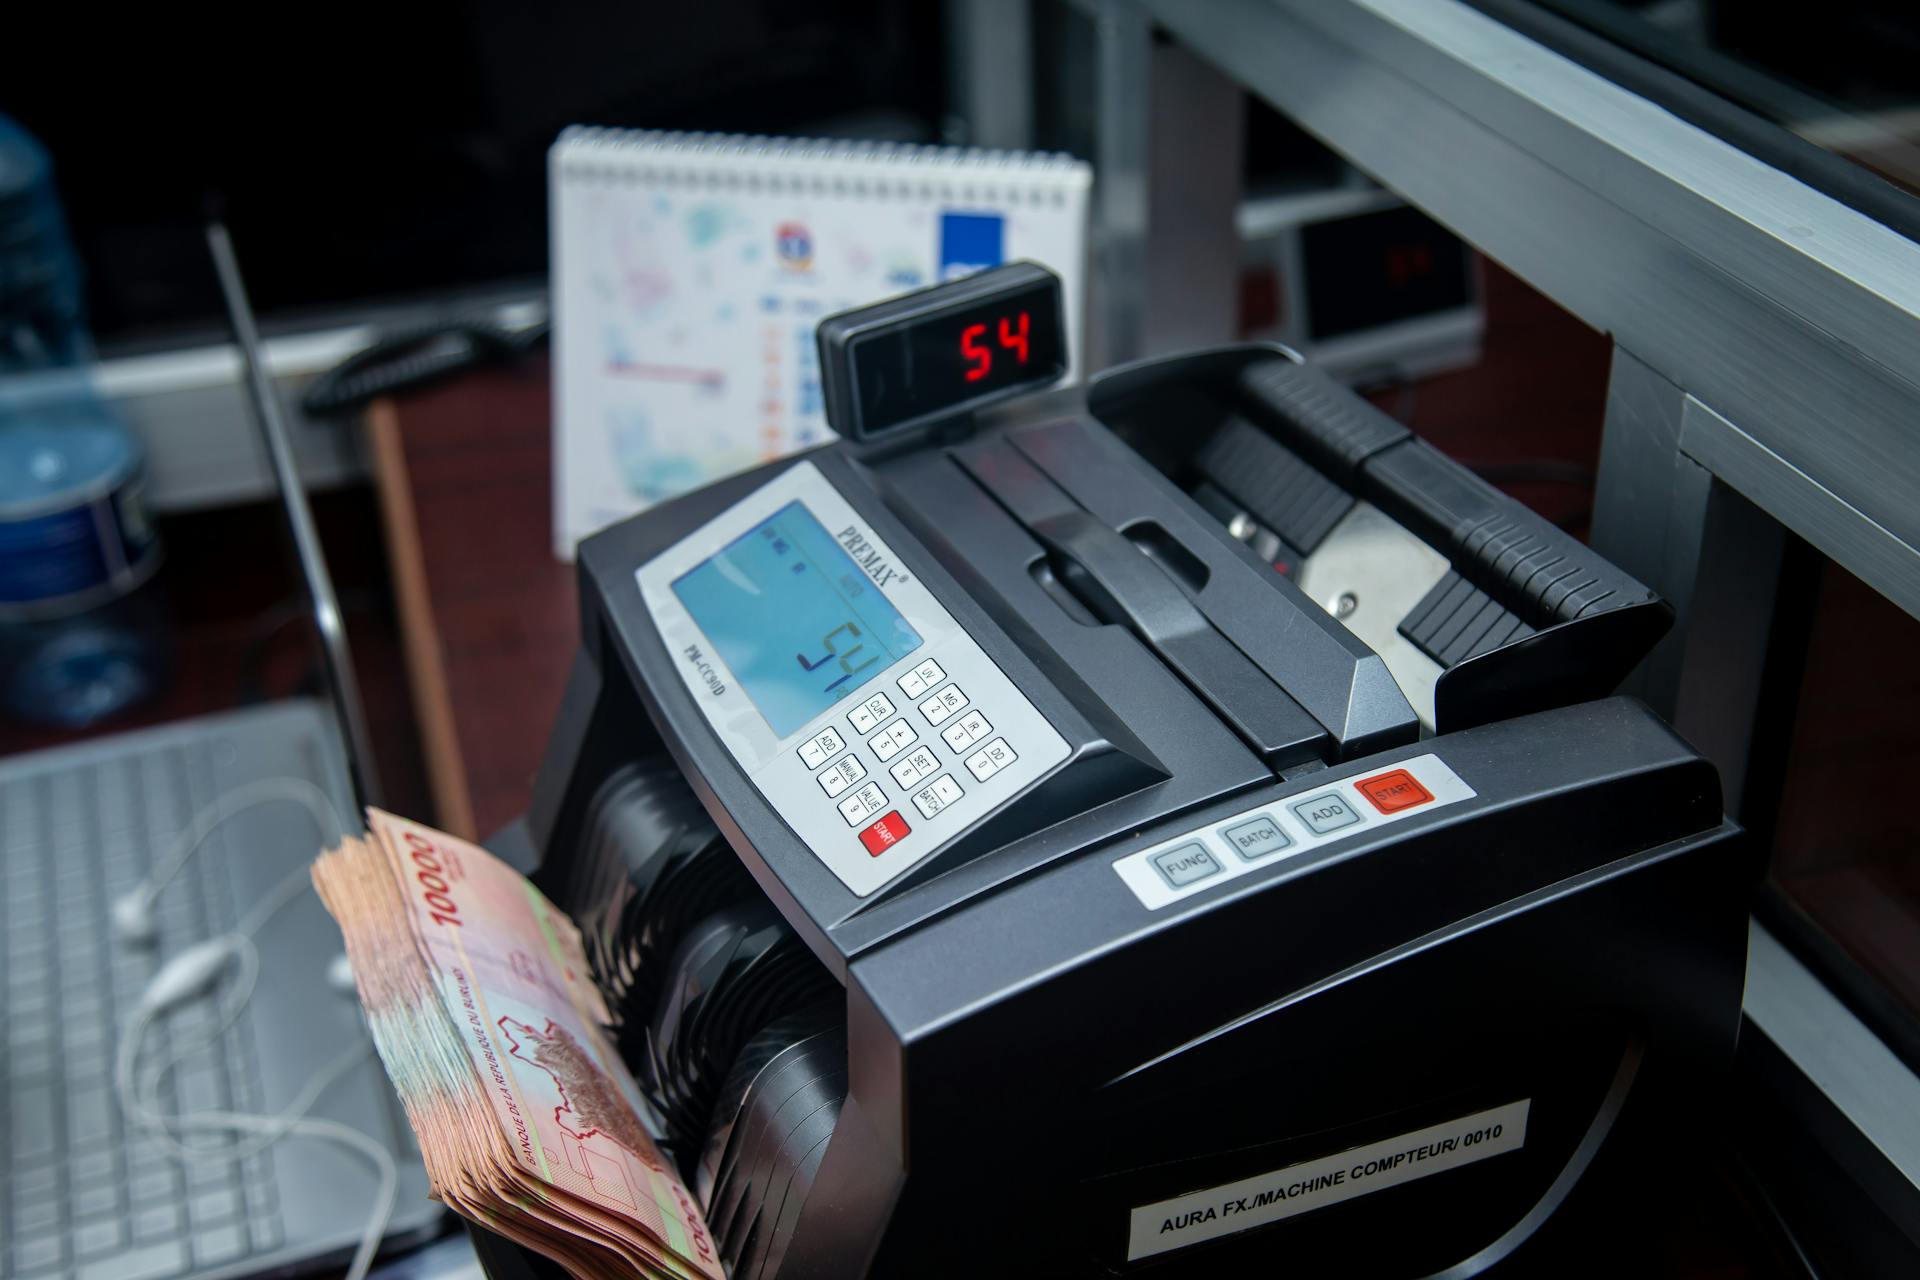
(1301, 1188)
(1280, 830)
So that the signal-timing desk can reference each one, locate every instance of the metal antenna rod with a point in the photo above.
(341, 683)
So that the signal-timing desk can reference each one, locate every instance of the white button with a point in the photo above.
(943, 704)
(870, 713)
(932, 799)
(892, 740)
(990, 759)
(972, 727)
(863, 804)
(821, 747)
(919, 765)
(921, 678)
(846, 771)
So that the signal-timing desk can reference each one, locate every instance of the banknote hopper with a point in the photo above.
(1180, 823)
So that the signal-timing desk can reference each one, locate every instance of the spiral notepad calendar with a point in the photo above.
(689, 271)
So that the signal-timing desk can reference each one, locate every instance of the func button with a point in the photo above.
(1257, 838)
(1326, 812)
(1185, 863)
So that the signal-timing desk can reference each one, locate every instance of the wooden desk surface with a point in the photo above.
(488, 615)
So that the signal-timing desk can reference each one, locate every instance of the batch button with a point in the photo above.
(1256, 838)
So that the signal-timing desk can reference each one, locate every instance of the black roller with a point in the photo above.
(650, 865)
(771, 1125)
(734, 973)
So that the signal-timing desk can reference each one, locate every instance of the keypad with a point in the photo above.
(990, 759)
(937, 795)
(967, 730)
(822, 747)
(943, 704)
(892, 740)
(870, 740)
(863, 804)
(921, 764)
(884, 834)
(870, 713)
(921, 678)
(921, 771)
(843, 773)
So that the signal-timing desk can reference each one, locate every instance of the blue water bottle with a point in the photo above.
(80, 631)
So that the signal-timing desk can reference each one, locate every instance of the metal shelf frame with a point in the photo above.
(1766, 370)
(1789, 319)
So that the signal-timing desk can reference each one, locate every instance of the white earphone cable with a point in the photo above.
(193, 972)
(133, 912)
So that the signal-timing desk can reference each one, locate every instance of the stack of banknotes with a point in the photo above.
(477, 993)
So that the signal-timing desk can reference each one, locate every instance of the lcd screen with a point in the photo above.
(795, 619)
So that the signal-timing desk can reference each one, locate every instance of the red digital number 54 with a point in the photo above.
(980, 357)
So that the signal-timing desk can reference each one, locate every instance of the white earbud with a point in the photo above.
(189, 973)
(340, 974)
(132, 912)
(132, 916)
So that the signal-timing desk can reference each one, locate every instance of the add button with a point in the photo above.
(1328, 811)
(1392, 792)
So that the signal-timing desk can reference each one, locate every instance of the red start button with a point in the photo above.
(1392, 792)
(880, 836)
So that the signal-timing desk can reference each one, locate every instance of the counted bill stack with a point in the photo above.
(477, 993)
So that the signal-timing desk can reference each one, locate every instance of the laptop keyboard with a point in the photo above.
(84, 1198)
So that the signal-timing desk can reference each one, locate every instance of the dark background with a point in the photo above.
(372, 150)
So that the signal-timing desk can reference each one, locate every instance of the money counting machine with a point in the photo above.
(1179, 823)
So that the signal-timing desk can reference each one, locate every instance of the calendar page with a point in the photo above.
(690, 272)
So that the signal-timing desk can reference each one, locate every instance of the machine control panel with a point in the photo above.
(1259, 837)
(864, 713)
